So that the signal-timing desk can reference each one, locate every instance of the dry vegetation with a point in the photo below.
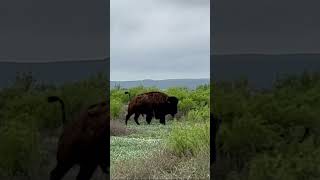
(179, 149)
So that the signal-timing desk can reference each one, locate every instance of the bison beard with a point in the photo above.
(152, 104)
(83, 142)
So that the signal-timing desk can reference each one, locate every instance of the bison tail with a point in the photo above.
(127, 92)
(55, 99)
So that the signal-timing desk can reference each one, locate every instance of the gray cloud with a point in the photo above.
(260, 26)
(158, 39)
(40, 30)
(183, 3)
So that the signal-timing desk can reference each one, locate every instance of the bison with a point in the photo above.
(215, 122)
(152, 104)
(83, 142)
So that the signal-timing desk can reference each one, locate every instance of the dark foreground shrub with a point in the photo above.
(19, 152)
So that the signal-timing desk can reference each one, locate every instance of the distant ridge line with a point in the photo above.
(161, 79)
(264, 54)
(57, 61)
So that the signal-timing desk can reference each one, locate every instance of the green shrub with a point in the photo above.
(180, 92)
(199, 115)
(119, 95)
(186, 105)
(19, 152)
(115, 108)
(282, 167)
(245, 136)
(189, 139)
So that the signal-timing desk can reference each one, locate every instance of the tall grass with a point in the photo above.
(261, 131)
(189, 140)
(19, 152)
(26, 117)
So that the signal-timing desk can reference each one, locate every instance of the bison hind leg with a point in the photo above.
(86, 171)
(105, 168)
(128, 117)
(59, 171)
(149, 118)
(136, 116)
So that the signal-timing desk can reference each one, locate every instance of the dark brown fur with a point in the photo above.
(152, 104)
(84, 142)
(215, 122)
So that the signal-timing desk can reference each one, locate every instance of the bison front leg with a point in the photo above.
(163, 120)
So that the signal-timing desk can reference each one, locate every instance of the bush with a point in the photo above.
(282, 167)
(189, 140)
(261, 130)
(115, 108)
(26, 118)
(186, 105)
(245, 136)
(201, 114)
(19, 153)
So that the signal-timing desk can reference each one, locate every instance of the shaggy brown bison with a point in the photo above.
(152, 104)
(215, 122)
(83, 142)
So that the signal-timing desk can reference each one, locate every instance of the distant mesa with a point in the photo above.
(261, 69)
(56, 72)
(162, 84)
(52, 60)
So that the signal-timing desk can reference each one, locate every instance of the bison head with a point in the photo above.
(172, 105)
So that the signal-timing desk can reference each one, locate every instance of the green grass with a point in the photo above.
(141, 143)
(158, 151)
(30, 127)
(145, 153)
(125, 148)
(152, 131)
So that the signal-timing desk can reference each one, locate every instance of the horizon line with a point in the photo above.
(207, 78)
(313, 53)
(56, 61)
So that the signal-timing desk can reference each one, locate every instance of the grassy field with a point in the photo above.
(30, 126)
(263, 134)
(179, 149)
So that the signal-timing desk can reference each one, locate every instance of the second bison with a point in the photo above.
(83, 142)
(152, 104)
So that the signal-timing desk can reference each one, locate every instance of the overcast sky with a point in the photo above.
(59, 30)
(265, 26)
(159, 39)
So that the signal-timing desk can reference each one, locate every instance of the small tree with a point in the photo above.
(25, 81)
